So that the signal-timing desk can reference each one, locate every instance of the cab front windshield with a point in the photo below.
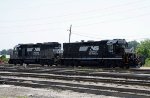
(15, 51)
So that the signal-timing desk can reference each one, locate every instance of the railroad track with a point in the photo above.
(89, 69)
(65, 71)
(79, 80)
(79, 87)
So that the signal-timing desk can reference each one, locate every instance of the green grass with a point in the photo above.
(22, 97)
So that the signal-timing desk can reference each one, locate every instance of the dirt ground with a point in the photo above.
(144, 67)
(10, 91)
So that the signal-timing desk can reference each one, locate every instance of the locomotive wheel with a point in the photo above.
(49, 65)
(127, 67)
(66, 63)
(41, 63)
(122, 66)
(75, 63)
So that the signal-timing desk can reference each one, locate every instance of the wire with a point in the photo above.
(39, 6)
(137, 39)
(95, 24)
(83, 12)
(41, 30)
(115, 20)
(91, 17)
(85, 36)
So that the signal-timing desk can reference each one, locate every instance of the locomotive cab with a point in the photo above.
(130, 58)
(15, 55)
(15, 52)
(117, 47)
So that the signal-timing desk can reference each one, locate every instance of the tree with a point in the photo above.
(9, 51)
(133, 44)
(3, 59)
(4, 52)
(144, 48)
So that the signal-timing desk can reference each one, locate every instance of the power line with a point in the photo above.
(144, 38)
(115, 20)
(128, 18)
(39, 6)
(85, 35)
(90, 17)
(83, 12)
(42, 30)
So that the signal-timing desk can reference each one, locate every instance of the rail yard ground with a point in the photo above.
(35, 81)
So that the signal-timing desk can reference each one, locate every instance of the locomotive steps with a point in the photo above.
(120, 84)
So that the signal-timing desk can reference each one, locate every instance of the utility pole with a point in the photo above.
(70, 32)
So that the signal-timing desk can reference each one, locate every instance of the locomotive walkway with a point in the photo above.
(118, 83)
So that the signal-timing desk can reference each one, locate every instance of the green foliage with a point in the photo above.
(144, 48)
(147, 62)
(4, 52)
(22, 97)
(3, 59)
(133, 44)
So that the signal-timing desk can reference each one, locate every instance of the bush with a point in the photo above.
(147, 62)
(3, 59)
(144, 48)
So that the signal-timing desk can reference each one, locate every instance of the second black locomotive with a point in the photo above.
(104, 53)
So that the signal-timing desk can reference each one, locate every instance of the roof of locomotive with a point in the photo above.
(101, 41)
(37, 44)
(45, 43)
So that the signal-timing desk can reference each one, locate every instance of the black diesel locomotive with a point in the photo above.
(104, 53)
(40, 53)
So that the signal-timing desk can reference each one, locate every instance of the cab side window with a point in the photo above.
(110, 48)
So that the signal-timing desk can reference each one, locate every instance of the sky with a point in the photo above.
(38, 21)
